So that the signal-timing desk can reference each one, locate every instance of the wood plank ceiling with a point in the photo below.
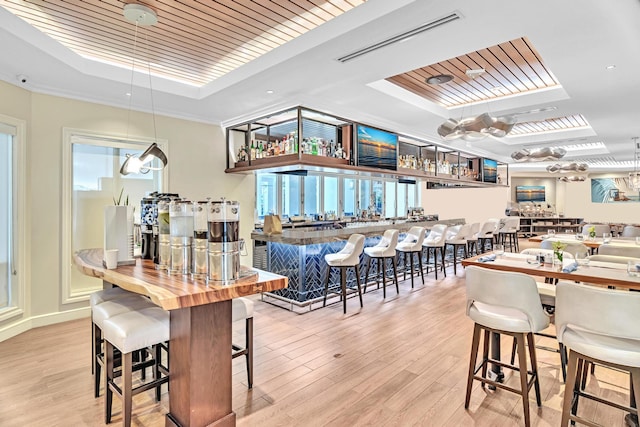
(513, 67)
(574, 121)
(194, 41)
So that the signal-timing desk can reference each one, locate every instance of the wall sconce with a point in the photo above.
(142, 163)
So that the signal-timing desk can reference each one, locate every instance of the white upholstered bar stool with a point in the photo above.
(409, 246)
(599, 229)
(457, 240)
(509, 232)
(242, 309)
(600, 326)
(630, 231)
(571, 247)
(94, 299)
(486, 235)
(383, 251)
(348, 257)
(129, 332)
(119, 303)
(619, 250)
(434, 243)
(508, 304)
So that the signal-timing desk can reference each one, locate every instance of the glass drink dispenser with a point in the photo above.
(224, 241)
(164, 235)
(200, 240)
(181, 228)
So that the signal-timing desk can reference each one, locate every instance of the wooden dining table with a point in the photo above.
(596, 272)
(200, 323)
(594, 243)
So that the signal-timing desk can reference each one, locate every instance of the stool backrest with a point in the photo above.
(511, 224)
(452, 231)
(475, 228)
(619, 250)
(354, 248)
(537, 251)
(488, 228)
(613, 259)
(599, 229)
(572, 248)
(414, 237)
(464, 232)
(603, 311)
(390, 241)
(630, 231)
(506, 289)
(436, 236)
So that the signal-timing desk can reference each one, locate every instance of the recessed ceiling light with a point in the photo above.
(439, 79)
(127, 94)
(269, 91)
(611, 67)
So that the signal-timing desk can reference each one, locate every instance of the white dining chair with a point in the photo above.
(505, 303)
(600, 326)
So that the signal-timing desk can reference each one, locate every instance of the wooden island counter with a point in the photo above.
(200, 350)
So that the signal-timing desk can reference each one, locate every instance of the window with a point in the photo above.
(6, 219)
(312, 192)
(331, 194)
(92, 181)
(12, 229)
(389, 199)
(364, 195)
(349, 208)
(266, 194)
(283, 194)
(402, 200)
(377, 196)
(412, 202)
(290, 195)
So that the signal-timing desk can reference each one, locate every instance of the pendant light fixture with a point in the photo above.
(141, 15)
(478, 127)
(634, 177)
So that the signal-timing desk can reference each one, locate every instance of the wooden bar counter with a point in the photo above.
(200, 349)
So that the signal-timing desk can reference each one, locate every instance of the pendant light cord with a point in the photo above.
(133, 63)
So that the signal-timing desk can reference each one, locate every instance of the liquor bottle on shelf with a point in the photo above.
(253, 150)
(339, 153)
(314, 146)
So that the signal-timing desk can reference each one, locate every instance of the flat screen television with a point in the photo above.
(489, 171)
(530, 193)
(377, 148)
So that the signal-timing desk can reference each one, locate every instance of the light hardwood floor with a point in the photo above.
(396, 362)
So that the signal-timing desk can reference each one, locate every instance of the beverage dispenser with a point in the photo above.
(224, 241)
(181, 234)
(148, 218)
(200, 240)
(164, 235)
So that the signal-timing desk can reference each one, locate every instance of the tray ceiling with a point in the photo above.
(511, 68)
(193, 42)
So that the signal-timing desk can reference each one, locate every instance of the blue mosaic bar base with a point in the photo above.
(306, 268)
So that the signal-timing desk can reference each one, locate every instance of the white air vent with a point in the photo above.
(400, 37)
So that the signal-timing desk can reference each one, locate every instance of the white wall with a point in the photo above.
(472, 204)
(197, 159)
(573, 199)
(578, 201)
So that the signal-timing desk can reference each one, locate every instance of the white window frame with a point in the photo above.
(71, 136)
(20, 217)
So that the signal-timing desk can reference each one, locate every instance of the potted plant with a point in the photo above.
(592, 232)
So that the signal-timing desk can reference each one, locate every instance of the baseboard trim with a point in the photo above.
(28, 323)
